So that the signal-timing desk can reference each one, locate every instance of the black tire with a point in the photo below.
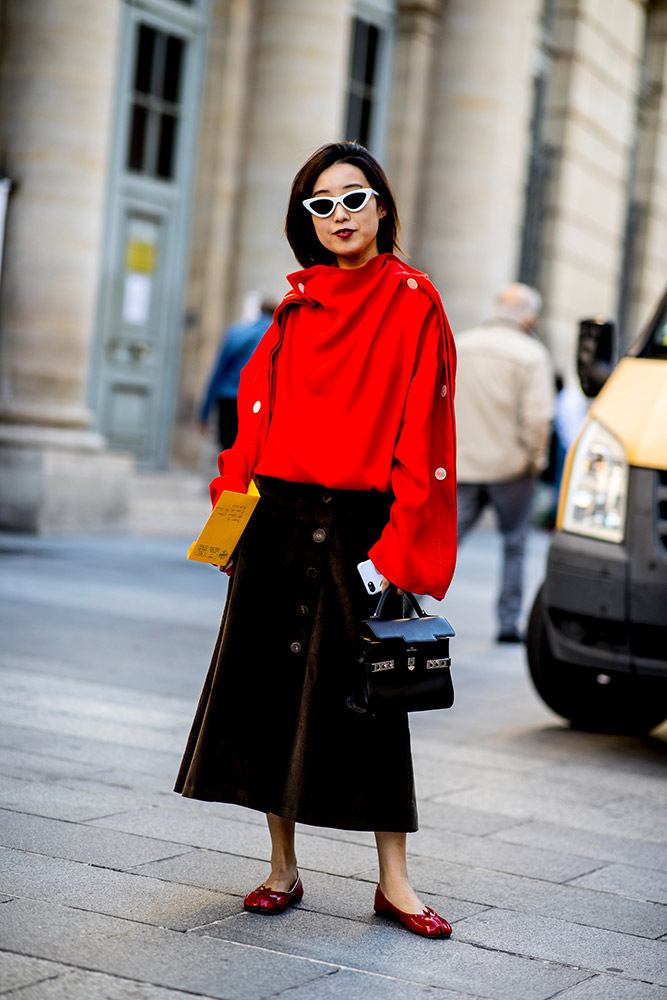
(626, 704)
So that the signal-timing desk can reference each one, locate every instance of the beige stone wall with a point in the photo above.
(469, 227)
(591, 126)
(215, 210)
(409, 129)
(298, 83)
(57, 66)
(649, 273)
(56, 95)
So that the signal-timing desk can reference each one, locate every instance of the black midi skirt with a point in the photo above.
(273, 731)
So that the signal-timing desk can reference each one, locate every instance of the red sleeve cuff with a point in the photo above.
(222, 483)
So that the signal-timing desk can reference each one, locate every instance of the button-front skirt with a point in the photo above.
(272, 730)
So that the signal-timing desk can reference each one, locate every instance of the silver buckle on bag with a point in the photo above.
(383, 665)
(438, 664)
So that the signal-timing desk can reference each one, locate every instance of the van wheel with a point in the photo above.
(625, 704)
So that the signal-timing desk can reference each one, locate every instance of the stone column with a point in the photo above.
(591, 127)
(650, 194)
(472, 191)
(216, 211)
(299, 68)
(416, 31)
(57, 87)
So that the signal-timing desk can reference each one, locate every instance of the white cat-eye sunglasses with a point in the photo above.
(353, 201)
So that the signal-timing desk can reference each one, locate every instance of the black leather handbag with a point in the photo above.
(404, 663)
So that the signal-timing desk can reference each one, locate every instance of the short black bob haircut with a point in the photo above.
(299, 227)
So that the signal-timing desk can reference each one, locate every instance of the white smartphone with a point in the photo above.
(371, 576)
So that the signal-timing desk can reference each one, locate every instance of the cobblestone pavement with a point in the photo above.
(545, 847)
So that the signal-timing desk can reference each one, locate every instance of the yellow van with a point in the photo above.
(597, 632)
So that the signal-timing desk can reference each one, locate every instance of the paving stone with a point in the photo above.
(328, 894)
(136, 897)
(446, 751)
(171, 959)
(126, 733)
(446, 817)
(54, 801)
(501, 784)
(638, 883)
(600, 846)
(123, 599)
(543, 784)
(568, 902)
(635, 813)
(493, 854)
(37, 767)
(345, 985)
(631, 822)
(613, 988)
(19, 971)
(622, 782)
(228, 873)
(363, 837)
(100, 700)
(78, 842)
(194, 828)
(432, 779)
(56, 747)
(69, 984)
(67, 644)
(245, 839)
(377, 945)
(352, 899)
(572, 944)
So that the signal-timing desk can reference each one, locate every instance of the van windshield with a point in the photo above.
(656, 342)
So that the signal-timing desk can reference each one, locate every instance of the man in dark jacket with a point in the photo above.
(238, 345)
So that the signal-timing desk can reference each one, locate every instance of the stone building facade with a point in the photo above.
(150, 146)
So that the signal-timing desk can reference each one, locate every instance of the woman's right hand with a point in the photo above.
(227, 568)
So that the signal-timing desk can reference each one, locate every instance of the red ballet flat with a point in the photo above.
(428, 923)
(266, 900)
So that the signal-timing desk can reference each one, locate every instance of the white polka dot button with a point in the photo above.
(257, 407)
(440, 473)
(412, 283)
(302, 287)
(443, 390)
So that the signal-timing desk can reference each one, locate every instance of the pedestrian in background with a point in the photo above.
(504, 407)
(237, 347)
(346, 425)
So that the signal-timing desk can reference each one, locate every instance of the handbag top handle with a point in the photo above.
(411, 597)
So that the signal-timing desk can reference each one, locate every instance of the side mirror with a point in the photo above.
(596, 353)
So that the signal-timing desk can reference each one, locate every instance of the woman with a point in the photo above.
(347, 427)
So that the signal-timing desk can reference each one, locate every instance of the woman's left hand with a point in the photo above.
(386, 583)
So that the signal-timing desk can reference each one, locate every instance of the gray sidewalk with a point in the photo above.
(545, 847)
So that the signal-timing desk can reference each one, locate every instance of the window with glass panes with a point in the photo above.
(361, 97)
(156, 105)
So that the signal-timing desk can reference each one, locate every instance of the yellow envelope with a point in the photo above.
(226, 523)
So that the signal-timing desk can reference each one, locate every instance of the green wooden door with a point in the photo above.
(135, 363)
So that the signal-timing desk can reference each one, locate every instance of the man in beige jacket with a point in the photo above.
(504, 410)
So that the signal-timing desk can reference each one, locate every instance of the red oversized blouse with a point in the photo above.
(352, 387)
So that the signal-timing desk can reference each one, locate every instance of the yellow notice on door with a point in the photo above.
(227, 522)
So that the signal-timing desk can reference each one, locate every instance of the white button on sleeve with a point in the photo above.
(440, 473)
(412, 283)
(302, 287)
(443, 390)
(257, 407)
